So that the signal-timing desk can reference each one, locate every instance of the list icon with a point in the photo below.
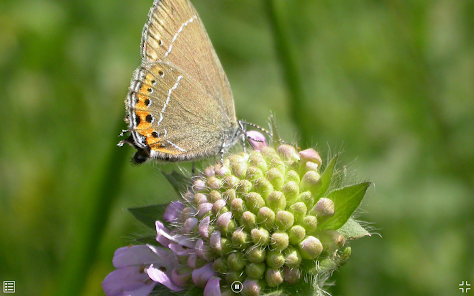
(8, 286)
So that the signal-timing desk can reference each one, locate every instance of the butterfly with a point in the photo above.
(179, 106)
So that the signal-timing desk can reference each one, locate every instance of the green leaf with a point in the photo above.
(346, 200)
(149, 214)
(353, 230)
(178, 181)
(326, 177)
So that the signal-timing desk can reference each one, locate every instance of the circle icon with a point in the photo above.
(236, 287)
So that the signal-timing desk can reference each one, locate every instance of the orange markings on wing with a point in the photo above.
(143, 123)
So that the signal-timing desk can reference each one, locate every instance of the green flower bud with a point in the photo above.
(254, 202)
(214, 196)
(251, 288)
(199, 185)
(240, 239)
(278, 164)
(238, 167)
(257, 160)
(310, 248)
(275, 259)
(235, 261)
(307, 198)
(288, 152)
(221, 170)
(299, 211)
(244, 186)
(310, 223)
(276, 178)
(230, 181)
(256, 254)
(266, 217)
(332, 240)
(311, 181)
(284, 220)
(248, 220)
(253, 173)
(199, 198)
(292, 257)
(213, 183)
(292, 175)
(219, 265)
(237, 207)
(263, 187)
(255, 270)
(296, 234)
(226, 246)
(229, 195)
(276, 201)
(279, 240)
(274, 277)
(323, 208)
(291, 191)
(260, 236)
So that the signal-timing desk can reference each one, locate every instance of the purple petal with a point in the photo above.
(166, 257)
(201, 249)
(223, 220)
(203, 209)
(180, 250)
(162, 234)
(173, 211)
(180, 279)
(215, 241)
(257, 140)
(202, 275)
(189, 224)
(192, 261)
(204, 227)
(130, 280)
(213, 287)
(159, 276)
(134, 255)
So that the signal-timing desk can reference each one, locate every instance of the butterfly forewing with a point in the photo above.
(174, 33)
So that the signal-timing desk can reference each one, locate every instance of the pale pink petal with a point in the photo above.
(159, 276)
(202, 275)
(224, 219)
(203, 209)
(213, 287)
(162, 234)
(201, 249)
(215, 241)
(204, 227)
(173, 211)
(127, 281)
(257, 140)
(189, 224)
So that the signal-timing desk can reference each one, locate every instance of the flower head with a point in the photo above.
(271, 219)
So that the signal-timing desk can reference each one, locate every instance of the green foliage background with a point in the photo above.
(390, 82)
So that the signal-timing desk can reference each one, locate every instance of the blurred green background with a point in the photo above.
(389, 82)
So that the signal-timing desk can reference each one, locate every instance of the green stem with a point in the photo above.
(288, 60)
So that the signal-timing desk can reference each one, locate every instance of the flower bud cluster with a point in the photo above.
(254, 218)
